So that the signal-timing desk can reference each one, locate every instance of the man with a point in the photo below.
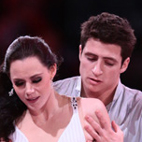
(107, 42)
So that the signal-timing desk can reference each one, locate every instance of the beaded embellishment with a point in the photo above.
(74, 102)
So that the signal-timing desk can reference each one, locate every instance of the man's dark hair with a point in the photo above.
(109, 28)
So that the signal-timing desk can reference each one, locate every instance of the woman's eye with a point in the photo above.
(19, 83)
(37, 80)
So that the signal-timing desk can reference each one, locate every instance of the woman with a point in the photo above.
(31, 111)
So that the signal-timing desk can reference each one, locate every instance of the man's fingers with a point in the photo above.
(101, 133)
(95, 126)
(93, 129)
(116, 128)
(92, 133)
(104, 124)
(88, 141)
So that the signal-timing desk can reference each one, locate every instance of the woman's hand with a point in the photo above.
(103, 132)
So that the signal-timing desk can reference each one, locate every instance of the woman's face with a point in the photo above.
(32, 81)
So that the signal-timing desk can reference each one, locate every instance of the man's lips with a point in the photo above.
(94, 80)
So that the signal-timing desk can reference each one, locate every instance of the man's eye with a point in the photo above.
(19, 83)
(37, 80)
(109, 64)
(91, 59)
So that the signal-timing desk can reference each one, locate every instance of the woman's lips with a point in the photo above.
(32, 100)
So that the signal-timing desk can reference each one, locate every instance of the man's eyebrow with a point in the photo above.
(106, 58)
(110, 58)
(90, 54)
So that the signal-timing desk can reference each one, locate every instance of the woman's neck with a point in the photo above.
(51, 108)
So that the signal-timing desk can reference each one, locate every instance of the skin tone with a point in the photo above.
(32, 82)
(100, 69)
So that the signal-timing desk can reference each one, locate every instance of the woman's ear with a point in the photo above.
(125, 65)
(53, 70)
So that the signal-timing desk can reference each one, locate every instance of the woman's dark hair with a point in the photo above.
(11, 107)
(26, 46)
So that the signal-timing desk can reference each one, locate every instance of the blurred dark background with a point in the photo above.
(58, 23)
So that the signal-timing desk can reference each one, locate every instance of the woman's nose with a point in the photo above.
(29, 89)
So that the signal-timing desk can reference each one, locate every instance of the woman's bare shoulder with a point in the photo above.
(92, 103)
(89, 106)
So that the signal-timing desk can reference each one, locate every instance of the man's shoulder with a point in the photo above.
(127, 97)
(132, 91)
(66, 80)
(133, 95)
(68, 86)
(126, 107)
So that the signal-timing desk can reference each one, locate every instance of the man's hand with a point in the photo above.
(103, 132)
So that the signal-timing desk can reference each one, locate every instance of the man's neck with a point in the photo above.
(105, 97)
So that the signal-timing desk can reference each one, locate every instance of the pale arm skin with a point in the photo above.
(97, 124)
(105, 133)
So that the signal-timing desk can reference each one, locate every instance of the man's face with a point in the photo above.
(100, 66)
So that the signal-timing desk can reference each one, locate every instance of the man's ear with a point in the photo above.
(80, 51)
(125, 65)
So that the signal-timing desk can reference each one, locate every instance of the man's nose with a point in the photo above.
(97, 69)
